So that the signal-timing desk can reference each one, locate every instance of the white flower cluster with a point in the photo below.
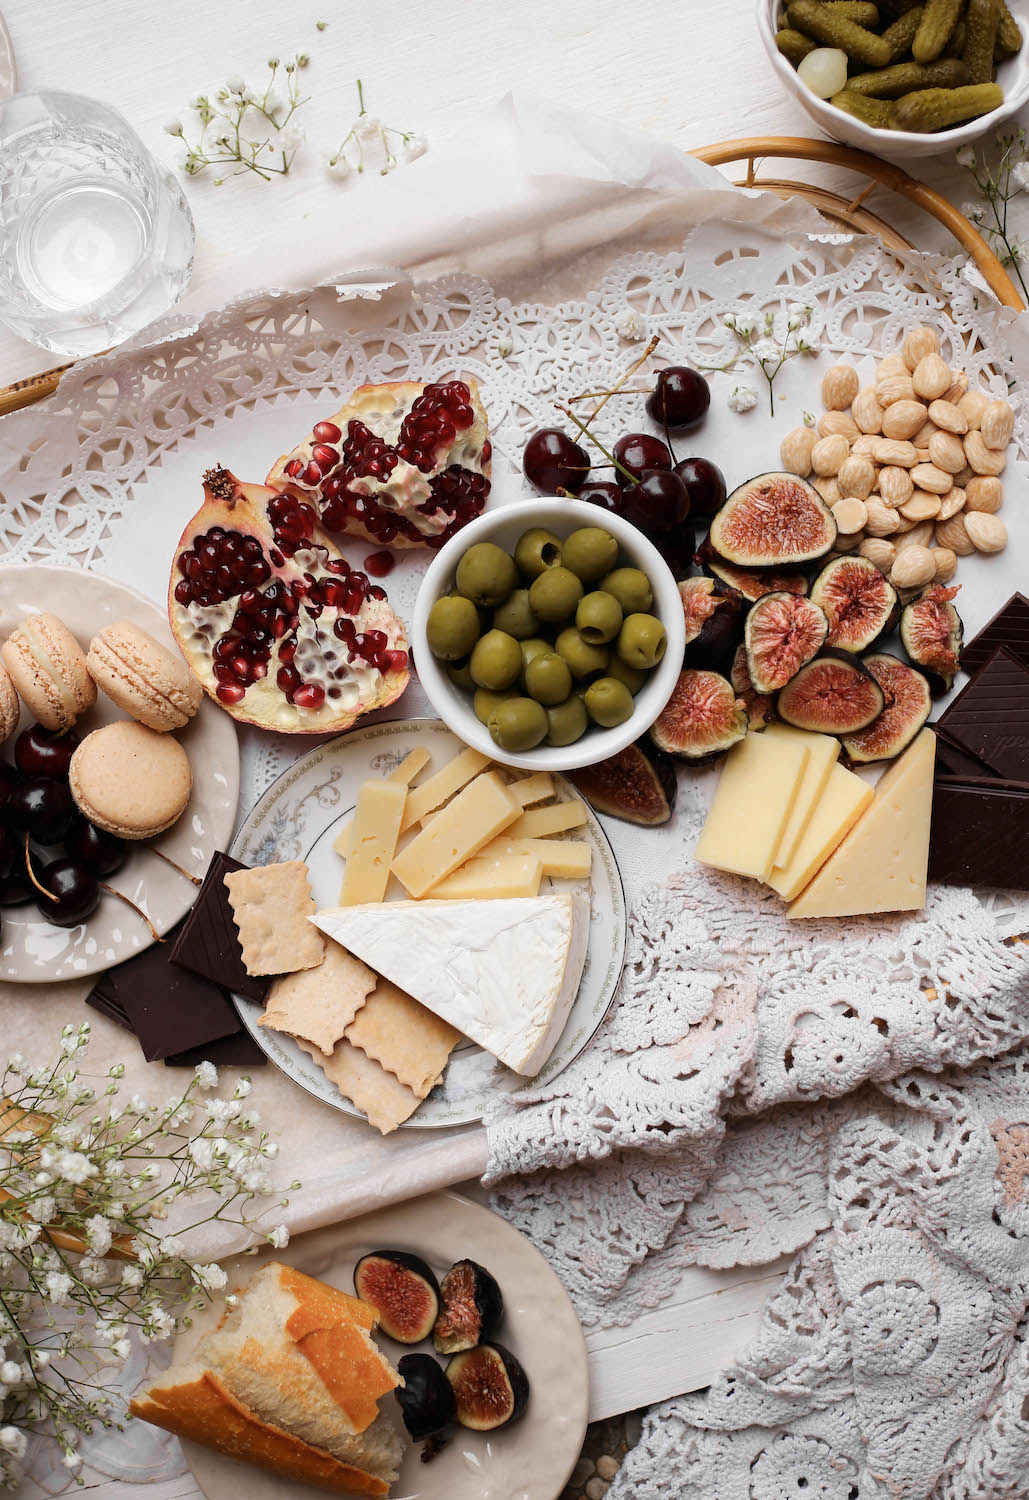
(388, 147)
(770, 342)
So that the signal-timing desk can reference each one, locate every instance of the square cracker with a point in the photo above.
(270, 907)
(408, 1040)
(319, 1004)
(384, 1099)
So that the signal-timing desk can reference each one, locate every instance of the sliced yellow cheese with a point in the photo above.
(841, 804)
(823, 753)
(569, 859)
(541, 822)
(447, 780)
(882, 863)
(535, 788)
(476, 815)
(380, 807)
(488, 879)
(752, 805)
(405, 773)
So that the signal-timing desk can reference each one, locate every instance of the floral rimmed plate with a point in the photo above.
(299, 817)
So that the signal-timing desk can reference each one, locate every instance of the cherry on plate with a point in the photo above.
(638, 451)
(9, 779)
(44, 752)
(705, 485)
(44, 809)
(552, 462)
(603, 492)
(680, 398)
(73, 893)
(99, 852)
(677, 547)
(658, 503)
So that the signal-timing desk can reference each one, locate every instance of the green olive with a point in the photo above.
(518, 724)
(641, 641)
(566, 722)
(608, 702)
(554, 595)
(622, 672)
(548, 678)
(536, 551)
(631, 587)
(496, 661)
(452, 628)
(532, 647)
(515, 617)
(598, 617)
(583, 658)
(460, 676)
(485, 702)
(486, 574)
(590, 552)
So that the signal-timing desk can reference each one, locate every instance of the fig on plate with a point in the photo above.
(859, 602)
(490, 1387)
(403, 464)
(426, 1398)
(277, 627)
(747, 583)
(760, 706)
(403, 1291)
(702, 717)
(931, 633)
(712, 622)
(471, 1308)
(771, 521)
(637, 785)
(907, 706)
(834, 694)
(781, 633)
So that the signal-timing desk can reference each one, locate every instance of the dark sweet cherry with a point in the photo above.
(705, 485)
(638, 451)
(76, 889)
(15, 889)
(44, 752)
(677, 548)
(44, 809)
(9, 779)
(658, 503)
(10, 850)
(99, 852)
(603, 492)
(680, 398)
(552, 462)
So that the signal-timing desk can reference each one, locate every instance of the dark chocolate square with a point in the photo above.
(1009, 627)
(979, 835)
(109, 1008)
(239, 1051)
(208, 942)
(951, 760)
(990, 717)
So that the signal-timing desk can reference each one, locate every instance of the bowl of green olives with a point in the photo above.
(548, 634)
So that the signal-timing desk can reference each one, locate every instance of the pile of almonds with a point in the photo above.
(909, 466)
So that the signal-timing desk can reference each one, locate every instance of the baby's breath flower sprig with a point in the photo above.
(368, 133)
(252, 130)
(768, 348)
(999, 175)
(88, 1181)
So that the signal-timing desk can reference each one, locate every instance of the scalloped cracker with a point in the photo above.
(319, 1004)
(270, 907)
(383, 1098)
(408, 1040)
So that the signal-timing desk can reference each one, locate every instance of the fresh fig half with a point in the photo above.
(772, 520)
(712, 622)
(859, 603)
(403, 1291)
(701, 718)
(490, 1387)
(908, 702)
(426, 1398)
(782, 632)
(637, 785)
(743, 581)
(834, 694)
(759, 706)
(471, 1308)
(931, 633)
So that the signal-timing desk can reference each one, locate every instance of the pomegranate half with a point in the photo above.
(404, 464)
(278, 628)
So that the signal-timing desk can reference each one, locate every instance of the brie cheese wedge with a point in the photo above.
(503, 972)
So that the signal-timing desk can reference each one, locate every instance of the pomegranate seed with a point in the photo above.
(311, 695)
(325, 458)
(312, 474)
(379, 564)
(295, 468)
(223, 671)
(288, 679)
(397, 660)
(376, 593)
(230, 692)
(327, 432)
(184, 592)
(354, 599)
(241, 666)
(287, 650)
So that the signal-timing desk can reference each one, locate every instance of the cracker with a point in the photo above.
(408, 1040)
(270, 907)
(384, 1099)
(319, 1004)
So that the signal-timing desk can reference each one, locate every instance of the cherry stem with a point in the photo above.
(169, 861)
(567, 411)
(32, 874)
(112, 892)
(618, 390)
(648, 351)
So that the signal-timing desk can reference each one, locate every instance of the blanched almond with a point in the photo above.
(981, 458)
(893, 364)
(913, 567)
(951, 503)
(839, 387)
(946, 563)
(987, 533)
(946, 452)
(847, 542)
(922, 506)
(839, 423)
(931, 378)
(948, 416)
(866, 411)
(894, 388)
(971, 406)
(957, 390)
(864, 446)
(984, 493)
(918, 343)
(924, 433)
(902, 419)
(929, 477)
(997, 424)
(893, 451)
(963, 477)
(856, 477)
(895, 484)
(795, 451)
(952, 534)
(828, 454)
(880, 552)
(915, 534)
(880, 519)
(828, 488)
(850, 516)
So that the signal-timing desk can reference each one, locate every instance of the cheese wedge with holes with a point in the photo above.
(380, 807)
(476, 815)
(504, 973)
(882, 863)
(822, 754)
(491, 879)
(841, 804)
(405, 773)
(752, 805)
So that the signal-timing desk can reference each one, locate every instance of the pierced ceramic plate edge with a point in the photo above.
(443, 1227)
(303, 1074)
(8, 67)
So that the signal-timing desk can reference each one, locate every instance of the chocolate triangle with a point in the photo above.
(1009, 627)
(208, 942)
(990, 717)
(953, 761)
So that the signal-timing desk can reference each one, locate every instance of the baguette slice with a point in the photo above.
(290, 1380)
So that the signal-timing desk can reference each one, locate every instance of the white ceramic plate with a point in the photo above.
(8, 72)
(530, 1460)
(299, 817)
(31, 949)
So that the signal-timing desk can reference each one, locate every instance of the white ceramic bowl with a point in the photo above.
(504, 525)
(1013, 77)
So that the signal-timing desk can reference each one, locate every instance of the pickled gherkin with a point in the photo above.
(956, 46)
(982, 20)
(937, 109)
(860, 44)
(874, 112)
(1009, 33)
(861, 12)
(901, 34)
(905, 78)
(794, 45)
(938, 21)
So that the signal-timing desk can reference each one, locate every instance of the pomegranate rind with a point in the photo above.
(782, 632)
(833, 694)
(702, 718)
(860, 604)
(908, 702)
(749, 585)
(760, 706)
(772, 520)
(932, 633)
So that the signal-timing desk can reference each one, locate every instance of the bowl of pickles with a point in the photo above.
(548, 634)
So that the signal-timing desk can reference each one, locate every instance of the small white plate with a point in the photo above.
(300, 816)
(32, 950)
(530, 1460)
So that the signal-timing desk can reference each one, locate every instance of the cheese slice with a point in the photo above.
(447, 780)
(505, 973)
(541, 822)
(477, 814)
(535, 788)
(753, 802)
(380, 807)
(841, 804)
(822, 754)
(569, 859)
(490, 879)
(405, 773)
(882, 863)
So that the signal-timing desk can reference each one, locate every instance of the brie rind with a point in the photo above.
(504, 972)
